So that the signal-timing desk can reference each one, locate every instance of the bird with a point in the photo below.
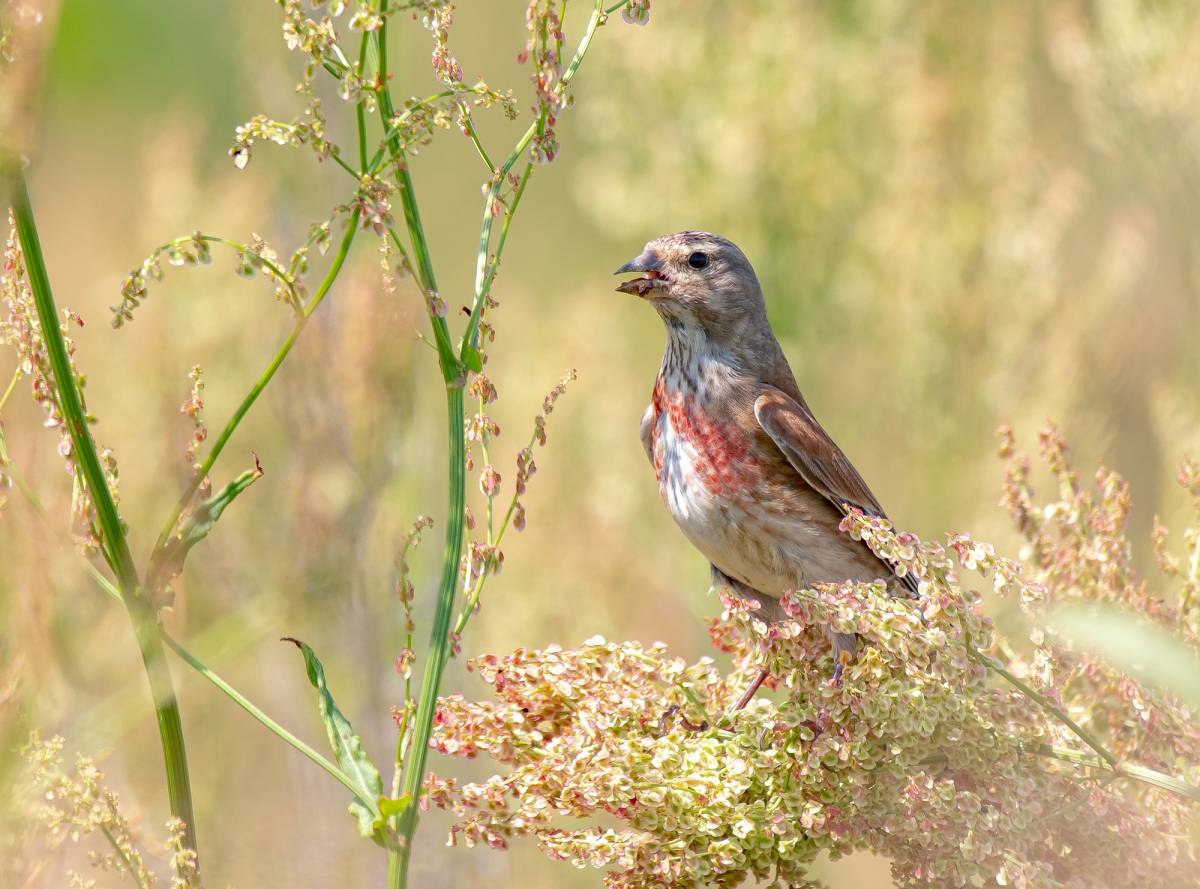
(751, 478)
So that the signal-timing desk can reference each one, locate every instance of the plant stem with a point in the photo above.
(8, 391)
(120, 852)
(261, 383)
(1133, 772)
(116, 547)
(1042, 701)
(270, 724)
(453, 372)
(469, 126)
(482, 277)
(439, 640)
(275, 269)
(360, 110)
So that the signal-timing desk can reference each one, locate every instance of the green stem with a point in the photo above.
(274, 268)
(116, 547)
(336, 158)
(440, 642)
(260, 384)
(12, 384)
(417, 753)
(1120, 769)
(121, 853)
(451, 366)
(270, 724)
(482, 277)
(469, 126)
(441, 331)
(439, 639)
(360, 110)
(1042, 701)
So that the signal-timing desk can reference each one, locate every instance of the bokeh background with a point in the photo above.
(963, 214)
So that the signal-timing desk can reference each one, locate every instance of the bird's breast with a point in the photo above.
(700, 458)
(717, 483)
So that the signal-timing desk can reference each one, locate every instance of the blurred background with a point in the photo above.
(962, 214)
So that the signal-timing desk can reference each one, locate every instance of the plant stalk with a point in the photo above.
(261, 383)
(439, 640)
(113, 540)
(453, 372)
(451, 366)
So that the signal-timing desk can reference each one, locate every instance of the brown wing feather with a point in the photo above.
(813, 454)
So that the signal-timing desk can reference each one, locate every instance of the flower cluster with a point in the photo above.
(374, 203)
(308, 128)
(406, 592)
(919, 752)
(257, 257)
(1189, 571)
(1076, 549)
(6, 479)
(419, 119)
(543, 50)
(77, 806)
(19, 328)
(437, 16)
(193, 409)
(636, 12)
(483, 558)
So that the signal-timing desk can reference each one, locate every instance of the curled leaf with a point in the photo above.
(167, 562)
(369, 803)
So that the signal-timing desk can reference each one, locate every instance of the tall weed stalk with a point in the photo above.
(351, 47)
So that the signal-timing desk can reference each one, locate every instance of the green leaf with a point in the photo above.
(347, 749)
(1144, 650)
(472, 359)
(168, 561)
(389, 807)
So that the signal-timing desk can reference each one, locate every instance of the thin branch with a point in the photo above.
(1131, 771)
(113, 542)
(482, 279)
(260, 384)
(1045, 703)
(469, 126)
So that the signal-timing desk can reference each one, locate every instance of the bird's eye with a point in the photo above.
(698, 260)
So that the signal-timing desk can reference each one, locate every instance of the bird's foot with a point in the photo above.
(687, 724)
(752, 690)
(844, 657)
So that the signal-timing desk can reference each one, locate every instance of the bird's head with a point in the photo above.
(696, 279)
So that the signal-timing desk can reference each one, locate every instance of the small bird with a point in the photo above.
(743, 466)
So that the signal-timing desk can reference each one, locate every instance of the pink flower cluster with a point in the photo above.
(940, 748)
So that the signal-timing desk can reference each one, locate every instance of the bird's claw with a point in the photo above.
(843, 657)
(687, 724)
(836, 681)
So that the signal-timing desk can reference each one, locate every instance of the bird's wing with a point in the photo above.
(813, 454)
(647, 433)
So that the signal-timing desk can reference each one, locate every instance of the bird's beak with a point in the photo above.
(647, 262)
(650, 265)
